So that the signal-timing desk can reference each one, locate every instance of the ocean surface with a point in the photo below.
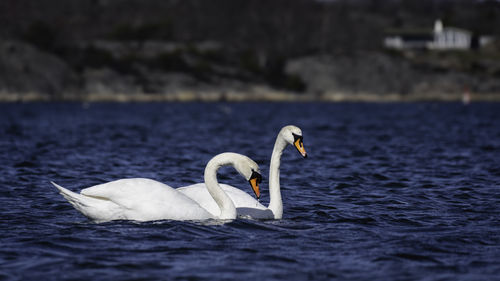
(406, 191)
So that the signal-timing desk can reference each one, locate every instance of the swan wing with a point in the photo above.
(143, 200)
(127, 192)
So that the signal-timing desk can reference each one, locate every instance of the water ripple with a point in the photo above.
(389, 191)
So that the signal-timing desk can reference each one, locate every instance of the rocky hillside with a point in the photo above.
(259, 50)
(166, 71)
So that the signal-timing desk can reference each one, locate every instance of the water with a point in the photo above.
(389, 191)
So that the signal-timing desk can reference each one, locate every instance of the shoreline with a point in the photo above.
(221, 96)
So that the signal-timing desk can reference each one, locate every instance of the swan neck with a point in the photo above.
(226, 205)
(276, 203)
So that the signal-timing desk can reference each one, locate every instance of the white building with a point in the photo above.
(441, 38)
(448, 38)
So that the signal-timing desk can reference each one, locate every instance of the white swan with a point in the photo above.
(146, 200)
(246, 205)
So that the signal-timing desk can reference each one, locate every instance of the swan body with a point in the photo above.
(242, 200)
(143, 199)
(134, 199)
(246, 205)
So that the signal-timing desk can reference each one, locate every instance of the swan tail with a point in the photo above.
(72, 197)
(89, 206)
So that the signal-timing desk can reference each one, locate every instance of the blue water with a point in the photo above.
(388, 191)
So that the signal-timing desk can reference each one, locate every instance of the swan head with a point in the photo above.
(245, 166)
(250, 171)
(293, 135)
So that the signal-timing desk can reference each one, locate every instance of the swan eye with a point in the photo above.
(297, 137)
(256, 175)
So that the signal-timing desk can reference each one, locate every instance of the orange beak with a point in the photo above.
(300, 147)
(255, 187)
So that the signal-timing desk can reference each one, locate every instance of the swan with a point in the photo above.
(143, 199)
(246, 205)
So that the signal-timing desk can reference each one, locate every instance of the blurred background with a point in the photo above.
(162, 50)
(390, 190)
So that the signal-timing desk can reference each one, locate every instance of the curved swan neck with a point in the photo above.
(226, 205)
(276, 203)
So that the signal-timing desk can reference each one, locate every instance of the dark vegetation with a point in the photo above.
(252, 40)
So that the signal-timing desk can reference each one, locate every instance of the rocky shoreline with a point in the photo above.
(167, 72)
(242, 97)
